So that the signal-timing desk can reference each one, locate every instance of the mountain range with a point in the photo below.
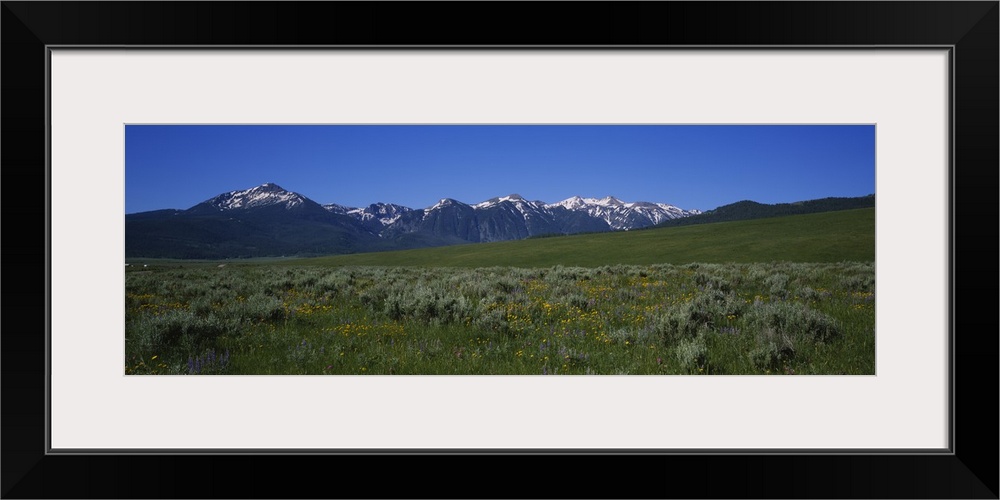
(268, 220)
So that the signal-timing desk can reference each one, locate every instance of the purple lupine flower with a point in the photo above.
(545, 370)
(190, 365)
(197, 365)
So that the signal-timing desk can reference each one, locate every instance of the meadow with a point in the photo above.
(751, 318)
(847, 235)
(787, 295)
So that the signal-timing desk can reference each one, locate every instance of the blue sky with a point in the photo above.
(690, 166)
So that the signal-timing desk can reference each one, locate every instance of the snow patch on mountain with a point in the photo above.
(492, 202)
(261, 196)
(385, 213)
(338, 209)
(617, 214)
(620, 214)
(442, 203)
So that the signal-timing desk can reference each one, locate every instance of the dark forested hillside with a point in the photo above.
(745, 210)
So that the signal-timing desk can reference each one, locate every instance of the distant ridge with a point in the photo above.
(747, 210)
(267, 220)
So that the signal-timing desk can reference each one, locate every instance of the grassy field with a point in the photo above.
(790, 295)
(847, 235)
(661, 319)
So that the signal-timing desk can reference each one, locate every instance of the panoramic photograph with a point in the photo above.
(527, 250)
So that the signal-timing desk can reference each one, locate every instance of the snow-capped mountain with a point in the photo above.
(514, 200)
(537, 216)
(384, 213)
(338, 209)
(265, 195)
(620, 215)
(513, 217)
(268, 219)
(262, 221)
(375, 216)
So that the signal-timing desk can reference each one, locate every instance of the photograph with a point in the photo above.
(500, 249)
(348, 213)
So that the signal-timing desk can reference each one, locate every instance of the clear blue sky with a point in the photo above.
(692, 167)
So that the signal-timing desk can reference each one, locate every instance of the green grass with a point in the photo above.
(788, 295)
(825, 237)
(662, 319)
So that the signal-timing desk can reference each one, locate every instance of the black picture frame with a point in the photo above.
(969, 28)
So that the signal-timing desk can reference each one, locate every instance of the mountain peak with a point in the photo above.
(578, 203)
(496, 201)
(338, 209)
(445, 202)
(571, 203)
(308, 227)
(266, 194)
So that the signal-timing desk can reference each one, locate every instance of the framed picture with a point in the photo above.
(922, 74)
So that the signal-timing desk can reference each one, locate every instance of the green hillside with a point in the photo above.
(847, 235)
(746, 210)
